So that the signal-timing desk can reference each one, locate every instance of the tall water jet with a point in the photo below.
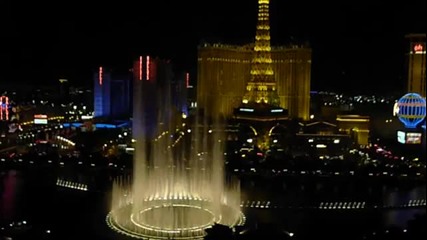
(179, 186)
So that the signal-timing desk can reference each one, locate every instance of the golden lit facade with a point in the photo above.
(228, 75)
(356, 126)
(417, 64)
(292, 69)
(221, 78)
(223, 72)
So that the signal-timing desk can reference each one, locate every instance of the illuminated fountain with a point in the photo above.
(178, 188)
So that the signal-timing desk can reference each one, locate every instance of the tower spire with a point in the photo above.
(262, 85)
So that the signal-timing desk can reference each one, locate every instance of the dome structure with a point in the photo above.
(411, 109)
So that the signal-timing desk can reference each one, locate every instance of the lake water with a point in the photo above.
(33, 196)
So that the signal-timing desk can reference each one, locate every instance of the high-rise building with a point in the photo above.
(64, 90)
(111, 94)
(416, 64)
(222, 74)
(120, 96)
(278, 75)
(152, 87)
(292, 71)
(101, 93)
(181, 91)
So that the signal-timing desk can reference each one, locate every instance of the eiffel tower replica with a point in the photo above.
(261, 101)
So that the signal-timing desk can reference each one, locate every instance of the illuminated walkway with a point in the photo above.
(332, 205)
(71, 185)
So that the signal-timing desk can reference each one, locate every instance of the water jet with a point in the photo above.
(179, 187)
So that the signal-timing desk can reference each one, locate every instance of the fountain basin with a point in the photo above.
(171, 218)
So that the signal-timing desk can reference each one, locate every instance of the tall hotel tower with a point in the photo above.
(102, 93)
(417, 64)
(152, 82)
(111, 94)
(228, 75)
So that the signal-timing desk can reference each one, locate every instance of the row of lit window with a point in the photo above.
(260, 88)
(249, 48)
(226, 60)
(256, 61)
(218, 45)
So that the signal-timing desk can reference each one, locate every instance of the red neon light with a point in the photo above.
(418, 48)
(4, 108)
(187, 80)
(147, 66)
(140, 68)
(43, 116)
(7, 108)
(100, 75)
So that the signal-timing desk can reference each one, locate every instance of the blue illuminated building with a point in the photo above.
(102, 93)
(179, 92)
(120, 104)
(411, 109)
(148, 87)
(112, 94)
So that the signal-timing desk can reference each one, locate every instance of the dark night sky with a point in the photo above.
(355, 43)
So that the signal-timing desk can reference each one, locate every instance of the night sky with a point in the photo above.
(357, 45)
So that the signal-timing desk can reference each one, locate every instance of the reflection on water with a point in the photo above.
(293, 192)
(8, 192)
(396, 197)
(399, 218)
(29, 195)
(26, 195)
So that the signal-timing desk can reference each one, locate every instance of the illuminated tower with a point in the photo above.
(152, 77)
(111, 94)
(417, 64)
(261, 88)
(225, 73)
(102, 93)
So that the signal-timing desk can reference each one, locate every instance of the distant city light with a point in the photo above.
(4, 108)
(246, 110)
(418, 48)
